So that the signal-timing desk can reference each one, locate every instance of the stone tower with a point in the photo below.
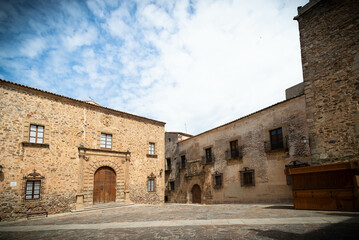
(329, 38)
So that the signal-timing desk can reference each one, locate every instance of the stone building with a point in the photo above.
(59, 154)
(318, 123)
(241, 161)
(329, 31)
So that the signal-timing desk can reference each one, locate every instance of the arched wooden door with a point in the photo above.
(196, 194)
(104, 188)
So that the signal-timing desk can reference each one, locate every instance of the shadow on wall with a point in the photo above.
(343, 230)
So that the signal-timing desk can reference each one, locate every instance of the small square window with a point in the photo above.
(151, 148)
(36, 134)
(106, 140)
(247, 177)
(151, 185)
(32, 190)
(217, 180)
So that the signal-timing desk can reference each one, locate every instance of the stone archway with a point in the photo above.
(196, 194)
(104, 188)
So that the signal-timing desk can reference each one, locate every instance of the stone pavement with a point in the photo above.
(182, 221)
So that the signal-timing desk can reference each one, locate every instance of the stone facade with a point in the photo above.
(70, 154)
(252, 134)
(330, 57)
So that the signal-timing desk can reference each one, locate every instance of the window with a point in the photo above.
(209, 155)
(247, 177)
(234, 149)
(172, 185)
(32, 189)
(36, 134)
(168, 161)
(151, 148)
(276, 139)
(106, 140)
(217, 180)
(151, 185)
(183, 161)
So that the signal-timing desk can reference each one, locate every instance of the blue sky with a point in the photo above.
(193, 64)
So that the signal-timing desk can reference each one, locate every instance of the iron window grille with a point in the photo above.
(247, 177)
(32, 189)
(36, 134)
(217, 180)
(209, 157)
(106, 141)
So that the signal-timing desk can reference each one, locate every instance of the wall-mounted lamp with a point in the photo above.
(304, 140)
(0, 168)
(161, 171)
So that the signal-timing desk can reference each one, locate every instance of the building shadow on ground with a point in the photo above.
(343, 230)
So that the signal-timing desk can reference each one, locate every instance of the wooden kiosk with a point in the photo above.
(326, 187)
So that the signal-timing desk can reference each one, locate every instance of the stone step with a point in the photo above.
(103, 206)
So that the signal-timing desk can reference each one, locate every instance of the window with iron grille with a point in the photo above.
(151, 148)
(217, 180)
(276, 139)
(183, 161)
(32, 189)
(172, 185)
(209, 155)
(234, 149)
(151, 185)
(106, 141)
(247, 177)
(36, 134)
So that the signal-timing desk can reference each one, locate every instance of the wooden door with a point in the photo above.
(104, 189)
(196, 194)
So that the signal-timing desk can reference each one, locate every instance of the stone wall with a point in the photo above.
(330, 56)
(251, 132)
(71, 152)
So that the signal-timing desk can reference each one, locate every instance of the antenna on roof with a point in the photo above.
(185, 127)
(91, 98)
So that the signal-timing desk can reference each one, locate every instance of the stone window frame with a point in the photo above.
(267, 139)
(106, 134)
(247, 172)
(205, 158)
(215, 176)
(32, 188)
(39, 131)
(151, 183)
(26, 133)
(151, 150)
(34, 176)
(228, 152)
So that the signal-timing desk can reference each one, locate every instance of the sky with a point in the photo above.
(192, 64)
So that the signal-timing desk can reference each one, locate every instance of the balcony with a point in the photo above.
(234, 154)
(208, 159)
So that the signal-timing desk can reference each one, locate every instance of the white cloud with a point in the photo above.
(86, 35)
(33, 47)
(227, 60)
